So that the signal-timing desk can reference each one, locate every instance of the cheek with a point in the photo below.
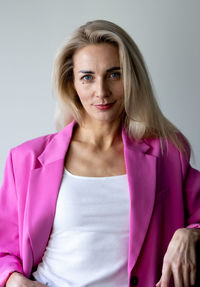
(118, 90)
(119, 93)
(82, 91)
(83, 96)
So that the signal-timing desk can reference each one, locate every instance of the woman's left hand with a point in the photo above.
(180, 259)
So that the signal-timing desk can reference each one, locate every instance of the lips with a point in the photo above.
(104, 106)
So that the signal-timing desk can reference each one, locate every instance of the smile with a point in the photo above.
(104, 106)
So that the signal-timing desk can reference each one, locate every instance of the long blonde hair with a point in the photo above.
(142, 117)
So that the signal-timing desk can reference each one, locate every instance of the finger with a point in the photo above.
(166, 275)
(193, 267)
(186, 276)
(178, 276)
(158, 284)
(192, 274)
(38, 284)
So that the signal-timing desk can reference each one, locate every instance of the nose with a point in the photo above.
(102, 90)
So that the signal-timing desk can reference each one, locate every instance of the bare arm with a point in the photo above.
(180, 259)
(18, 280)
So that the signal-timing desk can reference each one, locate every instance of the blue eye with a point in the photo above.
(86, 77)
(115, 75)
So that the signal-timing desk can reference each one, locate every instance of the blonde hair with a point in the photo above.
(142, 117)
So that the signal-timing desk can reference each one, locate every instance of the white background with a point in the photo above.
(167, 33)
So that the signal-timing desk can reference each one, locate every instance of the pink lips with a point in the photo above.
(104, 107)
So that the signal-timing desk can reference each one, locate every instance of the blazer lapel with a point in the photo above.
(43, 191)
(141, 171)
(45, 182)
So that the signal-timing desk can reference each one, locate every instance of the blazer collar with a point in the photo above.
(57, 147)
(141, 164)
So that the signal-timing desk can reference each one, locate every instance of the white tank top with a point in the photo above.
(89, 242)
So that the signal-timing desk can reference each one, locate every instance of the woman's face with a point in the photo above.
(98, 82)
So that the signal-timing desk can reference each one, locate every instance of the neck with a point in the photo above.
(99, 134)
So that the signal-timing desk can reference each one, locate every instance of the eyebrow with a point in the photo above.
(91, 72)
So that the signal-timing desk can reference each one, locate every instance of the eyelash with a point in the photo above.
(118, 75)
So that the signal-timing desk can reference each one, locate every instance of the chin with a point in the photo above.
(106, 119)
(105, 116)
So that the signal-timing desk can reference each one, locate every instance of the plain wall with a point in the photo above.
(167, 33)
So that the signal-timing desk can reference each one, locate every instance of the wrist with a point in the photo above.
(195, 233)
(13, 277)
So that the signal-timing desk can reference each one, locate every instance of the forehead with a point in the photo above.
(96, 55)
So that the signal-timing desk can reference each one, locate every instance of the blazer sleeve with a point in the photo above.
(9, 232)
(191, 189)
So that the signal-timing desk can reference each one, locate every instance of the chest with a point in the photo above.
(83, 160)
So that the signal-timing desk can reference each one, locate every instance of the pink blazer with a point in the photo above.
(164, 196)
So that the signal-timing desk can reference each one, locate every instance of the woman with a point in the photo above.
(111, 199)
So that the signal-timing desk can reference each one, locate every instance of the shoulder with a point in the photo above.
(177, 144)
(172, 153)
(36, 144)
(29, 151)
(31, 148)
